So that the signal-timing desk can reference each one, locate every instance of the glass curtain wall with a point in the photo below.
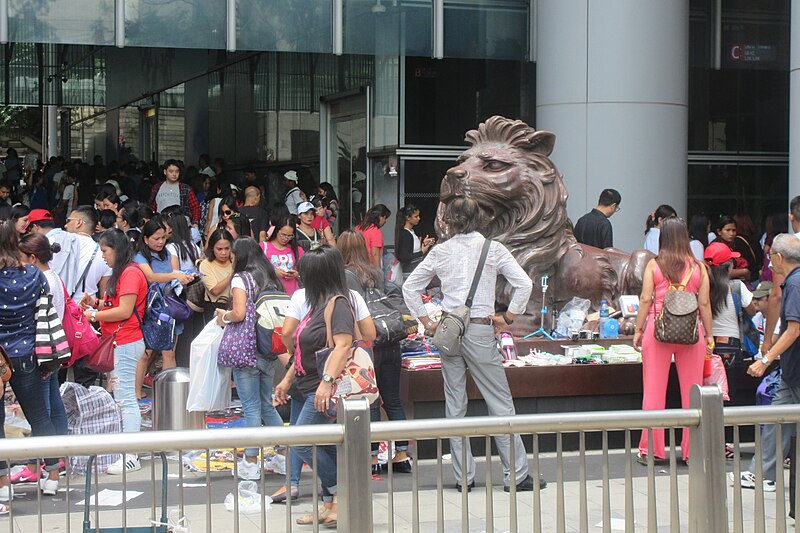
(738, 101)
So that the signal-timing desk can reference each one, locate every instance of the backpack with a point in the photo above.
(158, 326)
(388, 320)
(677, 321)
(271, 307)
(749, 336)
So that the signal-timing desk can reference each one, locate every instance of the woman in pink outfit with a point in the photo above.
(670, 268)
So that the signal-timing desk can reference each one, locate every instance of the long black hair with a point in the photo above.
(286, 220)
(150, 227)
(373, 216)
(330, 193)
(322, 274)
(182, 237)
(402, 214)
(130, 214)
(720, 281)
(662, 211)
(220, 234)
(698, 229)
(123, 255)
(250, 258)
(230, 203)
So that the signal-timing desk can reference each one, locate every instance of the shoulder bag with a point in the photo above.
(677, 321)
(450, 332)
(239, 345)
(357, 379)
(749, 337)
(6, 366)
(50, 345)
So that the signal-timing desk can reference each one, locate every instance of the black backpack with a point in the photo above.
(388, 320)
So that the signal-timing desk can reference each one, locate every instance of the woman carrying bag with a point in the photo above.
(322, 273)
(124, 298)
(252, 371)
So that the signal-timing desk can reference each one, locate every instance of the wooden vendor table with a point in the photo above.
(553, 389)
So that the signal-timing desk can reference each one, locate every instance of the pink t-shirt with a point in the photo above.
(373, 236)
(285, 260)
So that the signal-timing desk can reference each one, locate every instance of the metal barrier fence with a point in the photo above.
(589, 489)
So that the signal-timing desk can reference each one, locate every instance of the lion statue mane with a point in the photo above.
(507, 170)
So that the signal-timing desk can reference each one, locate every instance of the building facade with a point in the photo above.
(684, 102)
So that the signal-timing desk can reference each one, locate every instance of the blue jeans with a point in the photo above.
(54, 403)
(326, 455)
(298, 400)
(254, 386)
(123, 384)
(387, 372)
(26, 382)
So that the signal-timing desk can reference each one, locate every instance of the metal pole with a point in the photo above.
(119, 24)
(3, 21)
(337, 27)
(708, 511)
(354, 479)
(52, 130)
(438, 29)
(231, 26)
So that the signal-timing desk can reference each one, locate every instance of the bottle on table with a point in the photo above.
(507, 346)
(603, 318)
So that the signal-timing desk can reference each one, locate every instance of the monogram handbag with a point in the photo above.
(677, 321)
(357, 379)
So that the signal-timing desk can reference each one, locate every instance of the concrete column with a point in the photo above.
(612, 83)
(51, 148)
(195, 116)
(794, 103)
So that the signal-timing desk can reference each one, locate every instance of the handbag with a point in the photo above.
(178, 308)
(677, 321)
(102, 358)
(196, 294)
(81, 337)
(238, 347)
(450, 332)
(6, 366)
(357, 380)
(50, 344)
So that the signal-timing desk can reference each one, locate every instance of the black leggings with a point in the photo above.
(387, 372)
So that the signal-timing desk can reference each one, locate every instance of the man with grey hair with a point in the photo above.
(455, 263)
(785, 257)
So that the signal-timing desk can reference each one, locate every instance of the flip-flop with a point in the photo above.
(308, 519)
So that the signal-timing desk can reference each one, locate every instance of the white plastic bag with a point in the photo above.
(249, 499)
(572, 316)
(210, 384)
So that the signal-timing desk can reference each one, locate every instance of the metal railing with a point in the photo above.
(590, 481)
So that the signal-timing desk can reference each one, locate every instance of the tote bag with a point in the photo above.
(239, 347)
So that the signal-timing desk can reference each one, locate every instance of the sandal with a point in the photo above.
(4, 509)
(308, 519)
(330, 520)
(281, 496)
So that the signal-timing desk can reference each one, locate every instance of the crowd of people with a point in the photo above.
(102, 239)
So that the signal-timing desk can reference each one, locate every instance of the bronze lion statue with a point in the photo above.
(521, 192)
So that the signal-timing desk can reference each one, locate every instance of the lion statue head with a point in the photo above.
(521, 192)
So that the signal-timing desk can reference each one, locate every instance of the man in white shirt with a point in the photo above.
(294, 195)
(455, 262)
(94, 272)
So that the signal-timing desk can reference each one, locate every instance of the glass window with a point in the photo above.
(175, 23)
(727, 189)
(276, 25)
(387, 27)
(385, 102)
(489, 29)
(62, 21)
(445, 98)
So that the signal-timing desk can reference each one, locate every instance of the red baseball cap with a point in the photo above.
(37, 215)
(718, 252)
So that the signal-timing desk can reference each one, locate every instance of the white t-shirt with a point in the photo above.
(760, 322)
(57, 290)
(299, 308)
(292, 199)
(99, 269)
(697, 249)
(183, 264)
(169, 194)
(726, 323)
(651, 240)
(69, 194)
(415, 240)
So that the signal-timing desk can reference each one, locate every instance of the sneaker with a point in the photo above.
(148, 381)
(130, 463)
(24, 476)
(747, 480)
(527, 485)
(48, 486)
(6, 493)
(248, 470)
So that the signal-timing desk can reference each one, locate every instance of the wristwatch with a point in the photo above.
(764, 360)
(508, 320)
(327, 378)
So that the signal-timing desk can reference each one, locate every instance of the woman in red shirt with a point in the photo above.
(370, 228)
(119, 313)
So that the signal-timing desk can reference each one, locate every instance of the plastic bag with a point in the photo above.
(249, 499)
(572, 316)
(210, 384)
(718, 376)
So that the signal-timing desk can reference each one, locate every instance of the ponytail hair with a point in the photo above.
(373, 216)
(402, 214)
(662, 211)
